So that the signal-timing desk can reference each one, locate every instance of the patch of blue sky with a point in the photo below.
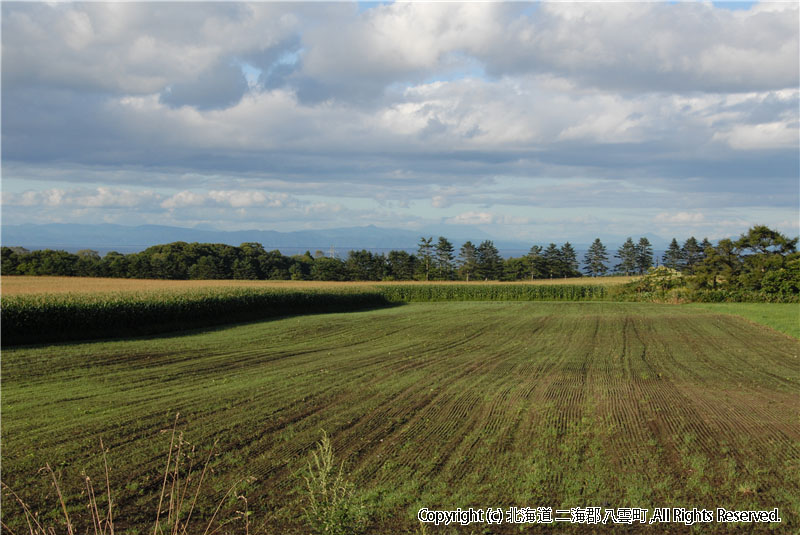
(734, 5)
(251, 73)
(366, 6)
(463, 67)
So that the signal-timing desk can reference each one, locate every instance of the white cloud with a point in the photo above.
(472, 218)
(680, 218)
(184, 198)
(100, 197)
(774, 135)
(230, 198)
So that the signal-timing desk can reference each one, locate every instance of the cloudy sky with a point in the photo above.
(532, 121)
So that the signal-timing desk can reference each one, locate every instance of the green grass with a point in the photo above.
(437, 405)
(783, 317)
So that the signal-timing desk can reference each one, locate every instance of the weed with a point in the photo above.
(332, 506)
(176, 502)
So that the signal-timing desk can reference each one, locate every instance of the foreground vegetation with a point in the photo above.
(437, 405)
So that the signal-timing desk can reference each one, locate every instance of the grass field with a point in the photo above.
(783, 317)
(23, 285)
(437, 405)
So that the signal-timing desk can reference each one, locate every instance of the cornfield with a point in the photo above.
(42, 318)
(494, 292)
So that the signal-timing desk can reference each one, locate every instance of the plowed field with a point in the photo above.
(437, 405)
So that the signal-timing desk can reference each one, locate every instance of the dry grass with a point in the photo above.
(173, 515)
(22, 285)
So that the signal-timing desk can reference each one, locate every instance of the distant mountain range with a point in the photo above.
(106, 237)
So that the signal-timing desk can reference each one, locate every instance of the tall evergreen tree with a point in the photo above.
(536, 262)
(596, 258)
(673, 256)
(468, 260)
(692, 254)
(569, 261)
(444, 258)
(644, 255)
(490, 264)
(627, 257)
(552, 261)
(425, 254)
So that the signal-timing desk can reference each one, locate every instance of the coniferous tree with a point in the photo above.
(536, 262)
(627, 257)
(596, 258)
(489, 263)
(644, 255)
(552, 261)
(569, 261)
(705, 244)
(444, 258)
(720, 264)
(468, 260)
(401, 265)
(673, 256)
(515, 269)
(761, 251)
(425, 253)
(692, 254)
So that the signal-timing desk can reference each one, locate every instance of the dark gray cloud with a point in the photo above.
(220, 86)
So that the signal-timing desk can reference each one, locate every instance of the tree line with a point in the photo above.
(434, 260)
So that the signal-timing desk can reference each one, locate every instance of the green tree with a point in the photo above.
(595, 259)
(551, 259)
(328, 269)
(444, 258)
(762, 250)
(489, 263)
(11, 258)
(56, 263)
(536, 262)
(569, 261)
(401, 265)
(88, 264)
(720, 266)
(274, 266)
(468, 260)
(207, 267)
(627, 258)
(425, 255)
(673, 256)
(245, 269)
(515, 269)
(692, 254)
(704, 245)
(644, 255)
(364, 266)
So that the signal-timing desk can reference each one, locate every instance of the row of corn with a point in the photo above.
(59, 317)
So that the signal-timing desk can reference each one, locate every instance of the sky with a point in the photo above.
(537, 122)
